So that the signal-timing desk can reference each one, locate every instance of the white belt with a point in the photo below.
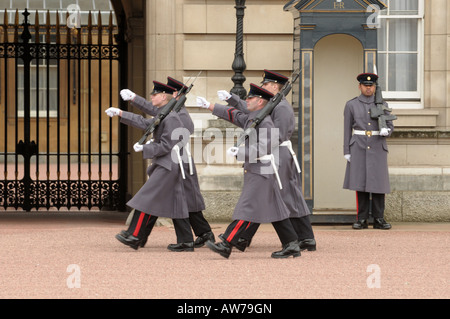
(176, 148)
(368, 133)
(288, 144)
(271, 158)
(187, 148)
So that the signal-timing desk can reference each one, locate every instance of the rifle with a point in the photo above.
(377, 112)
(268, 108)
(174, 104)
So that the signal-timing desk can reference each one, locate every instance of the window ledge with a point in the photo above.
(415, 118)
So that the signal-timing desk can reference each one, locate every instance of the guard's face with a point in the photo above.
(272, 87)
(253, 103)
(367, 90)
(158, 99)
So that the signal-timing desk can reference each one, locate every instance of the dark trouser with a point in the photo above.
(199, 224)
(302, 226)
(141, 226)
(241, 228)
(363, 201)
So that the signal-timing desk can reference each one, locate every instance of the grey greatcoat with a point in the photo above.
(163, 193)
(367, 170)
(191, 185)
(260, 200)
(284, 119)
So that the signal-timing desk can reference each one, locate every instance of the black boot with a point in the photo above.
(222, 248)
(241, 244)
(125, 234)
(129, 240)
(308, 244)
(380, 223)
(203, 238)
(181, 247)
(290, 249)
(360, 224)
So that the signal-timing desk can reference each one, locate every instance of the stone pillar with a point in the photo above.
(160, 34)
(135, 36)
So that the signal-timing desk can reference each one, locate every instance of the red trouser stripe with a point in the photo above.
(235, 230)
(357, 206)
(148, 220)
(139, 224)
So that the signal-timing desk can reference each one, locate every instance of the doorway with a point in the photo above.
(338, 59)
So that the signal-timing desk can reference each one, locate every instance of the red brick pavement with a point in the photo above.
(75, 255)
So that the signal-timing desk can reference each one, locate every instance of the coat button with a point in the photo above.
(368, 147)
(245, 171)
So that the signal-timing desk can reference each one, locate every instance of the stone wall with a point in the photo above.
(419, 195)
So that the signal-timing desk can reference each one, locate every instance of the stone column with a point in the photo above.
(160, 34)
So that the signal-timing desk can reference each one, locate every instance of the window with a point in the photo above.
(400, 51)
(44, 72)
(44, 96)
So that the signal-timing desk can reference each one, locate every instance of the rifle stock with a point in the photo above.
(179, 104)
(158, 119)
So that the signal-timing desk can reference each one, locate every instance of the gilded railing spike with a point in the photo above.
(90, 28)
(47, 27)
(16, 27)
(5, 26)
(58, 34)
(99, 22)
(110, 29)
(36, 27)
(68, 30)
(79, 35)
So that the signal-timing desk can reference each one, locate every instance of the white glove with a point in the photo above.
(201, 101)
(385, 131)
(347, 157)
(232, 151)
(113, 111)
(127, 95)
(138, 147)
(223, 95)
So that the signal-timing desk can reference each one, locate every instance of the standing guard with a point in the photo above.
(366, 151)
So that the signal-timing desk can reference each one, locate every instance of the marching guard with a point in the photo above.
(288, 168)
(261, 200)
(195, 201)
(163, 194)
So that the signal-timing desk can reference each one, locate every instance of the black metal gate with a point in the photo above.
(58, 149)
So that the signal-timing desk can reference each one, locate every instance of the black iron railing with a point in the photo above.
(57, 147)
